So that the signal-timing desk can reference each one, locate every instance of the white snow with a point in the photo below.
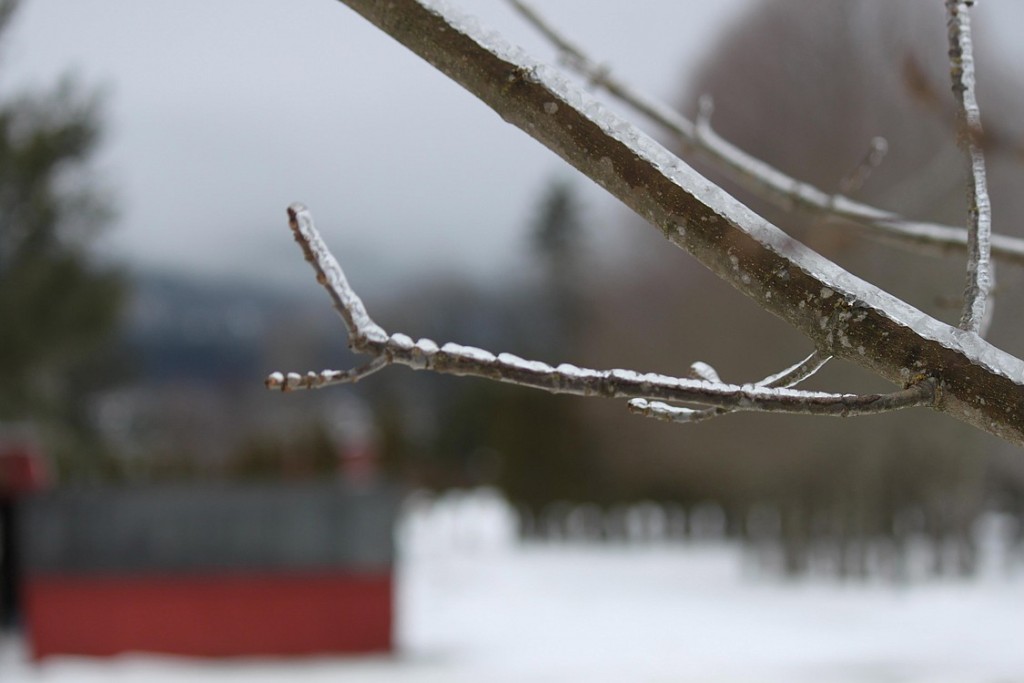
(475, 606)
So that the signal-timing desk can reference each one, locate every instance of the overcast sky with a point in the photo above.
(219, 114)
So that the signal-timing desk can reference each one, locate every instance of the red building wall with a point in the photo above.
(210, 616)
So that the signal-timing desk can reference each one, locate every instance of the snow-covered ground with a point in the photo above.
(475, 606)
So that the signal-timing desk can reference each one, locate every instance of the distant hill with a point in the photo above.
(181, 328)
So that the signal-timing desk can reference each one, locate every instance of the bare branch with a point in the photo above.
(764, 180)
(399, 349)
(980, 274)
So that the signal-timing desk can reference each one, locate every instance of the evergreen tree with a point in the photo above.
(58, 307)
(546, 453)
(556, 236)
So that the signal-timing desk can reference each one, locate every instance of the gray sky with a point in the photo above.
(219, 114)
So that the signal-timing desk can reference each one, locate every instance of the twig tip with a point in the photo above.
(294, 209)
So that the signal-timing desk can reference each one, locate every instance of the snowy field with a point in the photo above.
(474, 606)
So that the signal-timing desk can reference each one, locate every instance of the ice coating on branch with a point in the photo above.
(659, 409)
(484, 36)
(704, 371)
(570, 370)
(629, 376)
(471, 353)
(402, 341)
(330, 274)
(756, 392)
(980, 271)
(797, 372)
(427, 347)
(533, 366)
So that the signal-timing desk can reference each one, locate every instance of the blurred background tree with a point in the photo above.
(444, 432)
(59, 306)
(546, 454)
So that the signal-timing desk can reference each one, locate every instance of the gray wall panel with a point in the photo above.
(211, 527)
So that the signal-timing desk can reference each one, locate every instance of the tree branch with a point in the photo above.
(841, 314)
(785, 379)
(762, 179)
(797, 373)
(980, 273)
(325, 378)
(921, 394)
(367, 337)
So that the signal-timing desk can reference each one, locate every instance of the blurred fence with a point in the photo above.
(208, 528)
(209, 570)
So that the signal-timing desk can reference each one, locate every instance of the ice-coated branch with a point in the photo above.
(701, 370)
(759, 177)
(785, 379)
(798, 372)
(360, 326)
(980, 273)
(840, 314)
(852, 405)
(325, 378)
(398, 349)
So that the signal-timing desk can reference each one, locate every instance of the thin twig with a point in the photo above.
(980, 274)
(873, 158)
(367, 337)
(785, 379)
(798, 372)
(701, 370)
(324, 378)
(349, 306)
(762, 179)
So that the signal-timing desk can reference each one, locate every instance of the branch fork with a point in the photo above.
(650, 394)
